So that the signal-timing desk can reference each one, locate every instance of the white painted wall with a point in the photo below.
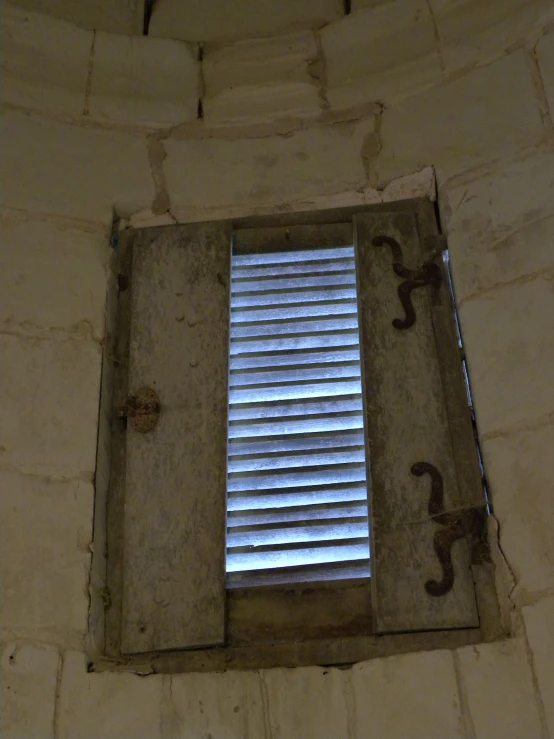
(92, 122)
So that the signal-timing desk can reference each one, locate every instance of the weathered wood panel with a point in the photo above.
(324, 652)
(175, 477)
(279, 238)
(406, 423)
(449, 357)
(267, 615)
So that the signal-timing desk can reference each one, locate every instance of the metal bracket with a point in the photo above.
(143, 409)
(470, 523)
(428, 274)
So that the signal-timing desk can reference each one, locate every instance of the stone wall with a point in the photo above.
(341, 112)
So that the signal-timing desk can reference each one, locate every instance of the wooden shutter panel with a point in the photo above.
(175, 474)
(423, 475)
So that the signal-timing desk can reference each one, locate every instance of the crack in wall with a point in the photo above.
(540, 92)
(350, 703)
(468, 727)
(370, 150)
(438, 40)
(88, 85)
(545, 734)
(57, 697)
(201, 82)
(268, 731)
(170, 719)
(317, 69)
(156, 156)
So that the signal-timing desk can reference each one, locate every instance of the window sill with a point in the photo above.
(325, 624)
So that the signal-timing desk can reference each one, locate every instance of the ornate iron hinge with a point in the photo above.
(143, 409)
(428, 274)
(470, 523)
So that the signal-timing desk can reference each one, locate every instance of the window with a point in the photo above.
(296, 488)
(198, 579)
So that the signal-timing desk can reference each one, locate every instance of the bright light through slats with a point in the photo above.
(297, 498)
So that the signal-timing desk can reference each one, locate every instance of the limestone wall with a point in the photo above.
(344, 111)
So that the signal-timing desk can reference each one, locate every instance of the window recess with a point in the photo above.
(297, 494)
(295, 404)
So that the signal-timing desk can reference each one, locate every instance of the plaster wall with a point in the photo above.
(357, 111)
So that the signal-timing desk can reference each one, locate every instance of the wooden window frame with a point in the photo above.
(316, 623)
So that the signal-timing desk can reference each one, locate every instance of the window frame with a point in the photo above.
(255, 637)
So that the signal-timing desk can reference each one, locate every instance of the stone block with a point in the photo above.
(209, 176)
(499, 691)
(57, 169)
(253, 105)
(468, 122)
(261, 80)
(545, 58)
(144, 81)
(520, 470)
(539, 626)
(480, 264)
(501, 227)
(356, 5)
(383, 53)
(217, 21)
(471, 31)
(28, 691)
(307, 702)
(49, 401)
(44, 63)
(116, 16)
(510, 350)
(52, 279)
(407, 697)
(227, 705)
(46, 530)
(107, 704)
(420, 184)
(259, 62)
(493, 207)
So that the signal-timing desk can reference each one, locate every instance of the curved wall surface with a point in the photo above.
(313, 109)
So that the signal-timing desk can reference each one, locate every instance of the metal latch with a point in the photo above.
(143, 409)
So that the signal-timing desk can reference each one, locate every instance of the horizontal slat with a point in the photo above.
(301, 513)
(297, 268)
(241, 464)
(317, 327)
(307, 573)
(294, 427)
(309, 532)
(300, 297)
(246, 285)
(349, 370)
(289, 257)
(290, 343)
(295, 390)
(333, 474)
(294, 359)
(294, 408)
(258, 500)
(310, 310)
(293, 557)
(296, 443)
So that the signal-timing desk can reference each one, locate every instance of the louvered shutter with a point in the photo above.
(174, 499)
(297, 496)
(423, 475)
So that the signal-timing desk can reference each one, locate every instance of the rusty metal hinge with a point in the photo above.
(143, 409)
(469, 523)
(428, 274)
